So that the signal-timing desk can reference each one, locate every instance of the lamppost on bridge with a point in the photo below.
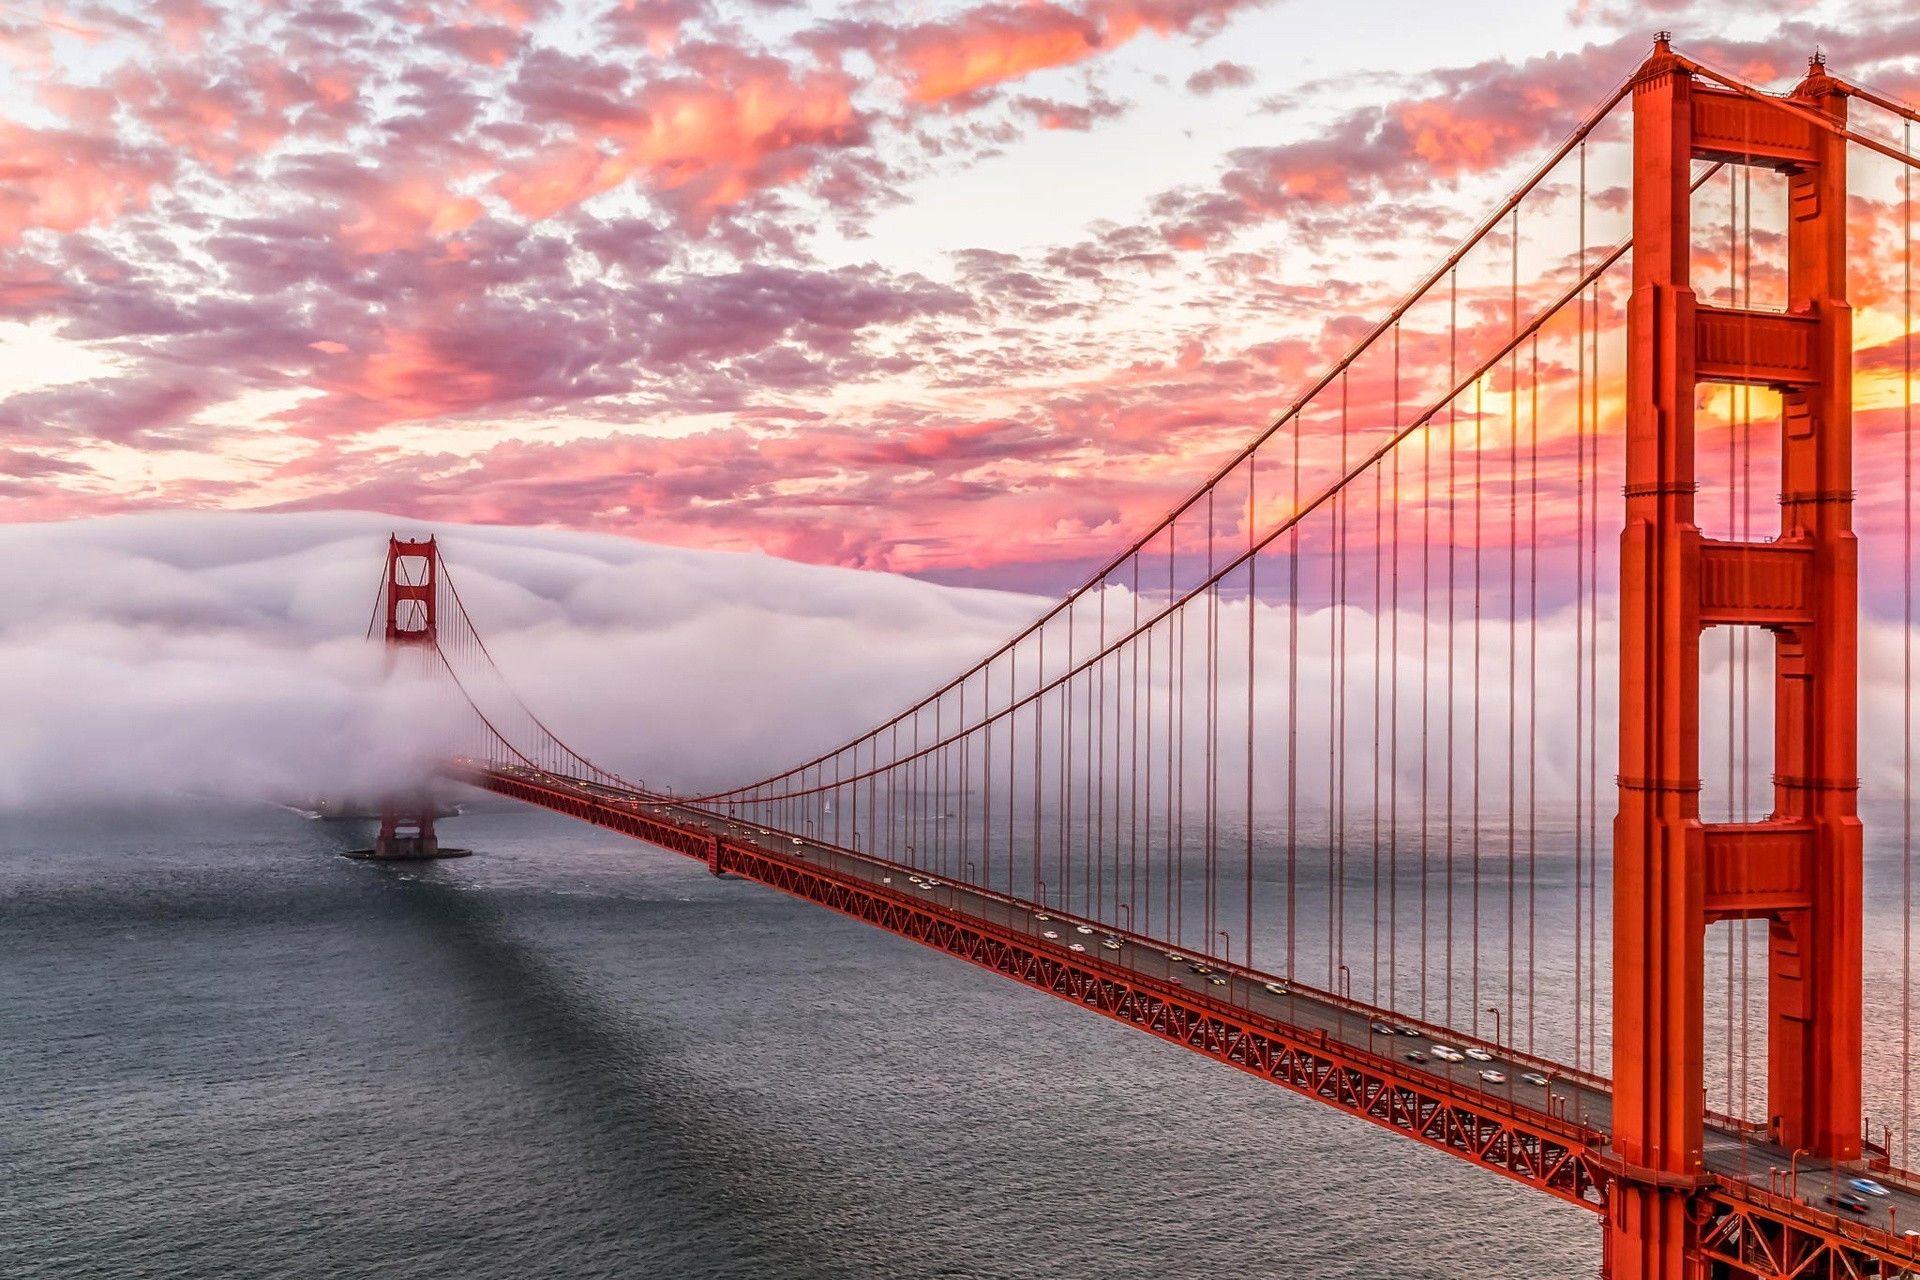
(1793, 1171)
(1346, 982)
(1128, 908)
(1496, 1025)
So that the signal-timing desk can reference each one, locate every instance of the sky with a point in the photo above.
(965, 291)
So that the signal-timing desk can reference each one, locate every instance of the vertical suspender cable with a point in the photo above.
(1746, 633)
(1337, 724)
(1293, 699)
(1426, 653)
(1906, 683)
(1733, 638)
(1579, 611)
(1139, 912)
(1099, 885)
(1253, 608)
(1013, 790)
(1453, 538)
(1907, 643)
(1533, 668)
(1213, 735)
(1133, 753)
(1479, 492)
(1039, 739)
(1393, 765)
(1175, 905)
(1513, 605)
(1179, 774)
(1375, 824)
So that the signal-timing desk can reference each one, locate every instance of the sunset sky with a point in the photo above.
(970, 291)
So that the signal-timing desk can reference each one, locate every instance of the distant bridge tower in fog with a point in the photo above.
(411, 598)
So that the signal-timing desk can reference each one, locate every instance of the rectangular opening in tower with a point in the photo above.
(410, 616)
(1736, 724)
(1739, 239)
(1737, 439)
(1734, 1030)
(410, 571)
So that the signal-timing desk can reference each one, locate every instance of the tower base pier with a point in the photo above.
(407, 849)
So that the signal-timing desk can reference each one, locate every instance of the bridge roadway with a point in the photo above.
(1737, 1158)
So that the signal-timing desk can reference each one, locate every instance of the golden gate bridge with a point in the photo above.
(1310, 778)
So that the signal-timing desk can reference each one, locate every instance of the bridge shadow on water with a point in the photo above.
(660, 1168)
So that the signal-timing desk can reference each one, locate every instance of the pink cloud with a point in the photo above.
(61, 180)
(702, 145)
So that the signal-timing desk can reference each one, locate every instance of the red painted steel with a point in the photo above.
(1799, 869)
(1659, 913)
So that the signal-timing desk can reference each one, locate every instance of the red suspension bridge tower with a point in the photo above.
(412, 585)
(1799, 869)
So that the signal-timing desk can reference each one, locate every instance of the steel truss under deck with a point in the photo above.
(1745, 1231)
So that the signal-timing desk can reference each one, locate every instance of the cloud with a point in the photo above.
(1451, 124)
(151, 410)
(146, 655)
(63, 179)
(521, 225)
(957, 60)
(989, 45)
(701, 143)
(1221, 75)
(1081, 116)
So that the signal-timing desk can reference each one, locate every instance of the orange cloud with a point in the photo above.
(992, 44)
(1454, 142)
(988, 47)
(715, 143)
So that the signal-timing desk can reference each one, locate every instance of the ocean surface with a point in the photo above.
(227, 1051)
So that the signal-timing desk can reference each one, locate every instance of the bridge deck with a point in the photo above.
(1551, 1136)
